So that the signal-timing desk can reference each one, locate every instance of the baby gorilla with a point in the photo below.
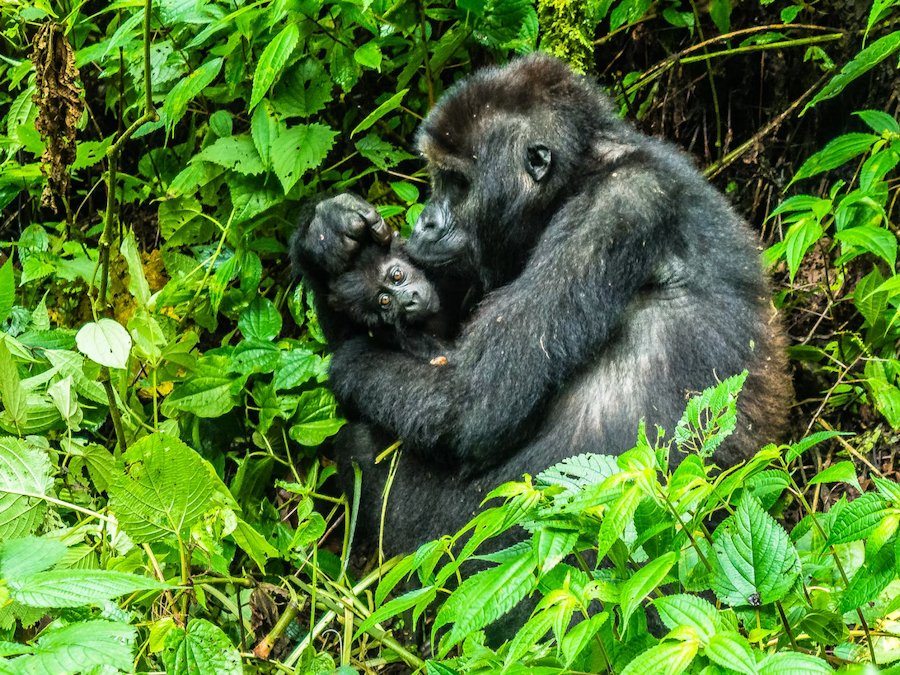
(394, 300)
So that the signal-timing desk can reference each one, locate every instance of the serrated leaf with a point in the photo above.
(167, 489)
(484, 597)
(201, 649)
(272, 60)
(105, 342)
(7, 289)
(869, 580)
(13, 395)
(24, 479)
(731, 651)
(669, 658)
(137, 280)
(299, 149)
(756, 562)
(858, 519)
(369, 55)
(864, 61)
(837, 152)
(88, 646)
(264, 128)
(875, 240)
(793, 663)
(797, 449)
(642, 583)
(237, 153)
(841, 472)
(303, 91)
(879, 121)
(316, 418)
(617, 518)
(296, 367)
(551, 545)
(379, 112)
(185, 90)
(74, 588)
(29, 555)
(260, 320)
(396, 606)
(688, 610)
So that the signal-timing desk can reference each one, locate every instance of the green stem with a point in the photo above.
(114, 410)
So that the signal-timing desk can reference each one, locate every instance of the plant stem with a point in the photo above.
(114, 411)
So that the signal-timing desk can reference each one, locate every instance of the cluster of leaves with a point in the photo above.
(607, 538)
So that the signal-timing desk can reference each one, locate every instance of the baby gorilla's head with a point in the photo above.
(384, 289)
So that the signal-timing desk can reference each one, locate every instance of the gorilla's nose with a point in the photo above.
(412, 301)
(430, 226)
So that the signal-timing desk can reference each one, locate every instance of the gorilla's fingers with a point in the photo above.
(381, 233)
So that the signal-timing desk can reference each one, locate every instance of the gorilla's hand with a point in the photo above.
(337, 227)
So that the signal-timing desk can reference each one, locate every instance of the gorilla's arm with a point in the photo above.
(527, 337)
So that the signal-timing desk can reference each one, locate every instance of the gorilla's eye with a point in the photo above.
(397, 275)
(384, 300)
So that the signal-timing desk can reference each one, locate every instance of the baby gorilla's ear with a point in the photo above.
(537, 161)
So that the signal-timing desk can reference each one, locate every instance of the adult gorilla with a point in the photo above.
(617, 282)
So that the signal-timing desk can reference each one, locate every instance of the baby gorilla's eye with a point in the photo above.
(384, 300)
(397, 275)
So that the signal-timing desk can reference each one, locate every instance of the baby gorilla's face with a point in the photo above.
(404, 294)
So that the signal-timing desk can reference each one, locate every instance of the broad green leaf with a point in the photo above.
(7, 289)
(74, 588)
(264, 128)
(643, 582)
(88, 646)
(858, 519)
(316, 418)
(24, 479)
(66, 402)
(206, 393)
(297, 367)
(864, 61)
(12, 394)
(875, 240)
(254, 544)
(688, 610)
(392, 103)
(793, 663)
(369, 55)
(731, 651)
(237, 153)
(28, 555)
(272, 61)
(137, 280)
(578, 638)
(756, 562)
(395, 607)
(669, 658)
(879, 121)
(299, 149)
(303, 91)
(839, 151)
(201, 649)
(105, 342)
(840, 472)
(484, 597)
(875, 168)
(797, 449)
(185, 90)
(551, 545)
(710, 417)
(168, 488)
(255, 356)
(617, 518)
(869, 580)
(260, 320)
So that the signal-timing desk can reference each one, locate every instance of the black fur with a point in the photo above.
(616, 283)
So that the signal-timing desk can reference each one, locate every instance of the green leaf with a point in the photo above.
(669, 658)
(29, 555)
(188, 88)
(254, 544)
(797, 449)
(617, 518)
(841, 472)
(710, 417)
(688, 610)
(876, 240)
(870, 580)
(864, 61)
(260, 320)
(74, 588)
(396, 606)
(264, 128)
(369, 56)
(839, 151)
(237, 153)
(731, 651)
(201, 649)
(484, 597)
(167, 489)
(858, 519)
(316, 417)
(879, 121)
(297, 367)
(7, 289)
(105, 342)
(299, 149)
(551, 545)
(209, 392)
(793, 663)
(88, 646)
(379, 112)
(24, 479)
(12, 394)
(272, 60)
(137, 281)
(757, 563)
(643, 582)
(303, 91)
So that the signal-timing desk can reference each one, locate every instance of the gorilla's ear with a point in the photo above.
(537, 161)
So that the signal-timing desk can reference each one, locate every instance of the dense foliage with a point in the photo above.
(164, 504)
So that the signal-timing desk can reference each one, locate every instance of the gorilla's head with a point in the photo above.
(505, 148)
(385, 289)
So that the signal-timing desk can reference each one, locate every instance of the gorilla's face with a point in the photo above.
(402, 293)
